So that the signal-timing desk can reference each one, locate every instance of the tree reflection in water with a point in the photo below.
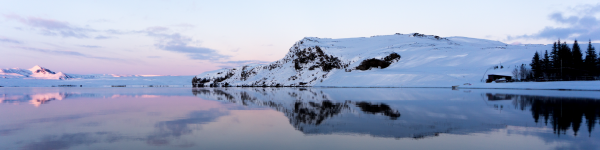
(561, 112)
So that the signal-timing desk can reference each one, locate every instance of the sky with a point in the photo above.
(187, 37)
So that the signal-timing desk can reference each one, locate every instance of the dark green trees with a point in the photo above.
(577, 61)
(546, 65)
(565, 60)
(536, 65)
(564, 63)
(555, 62)
(554, 54)
(591, 60)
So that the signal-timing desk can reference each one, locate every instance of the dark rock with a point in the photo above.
(378, 63)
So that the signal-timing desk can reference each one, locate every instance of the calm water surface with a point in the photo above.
(297, 118)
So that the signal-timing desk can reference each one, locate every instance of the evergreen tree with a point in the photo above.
(555, 63)
(536, 66)
(554, 55)
(555, 60)
(546, 64)
(565, 61)
(577, 62)
(591, 59)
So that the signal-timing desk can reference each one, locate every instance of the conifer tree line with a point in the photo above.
(564, 63)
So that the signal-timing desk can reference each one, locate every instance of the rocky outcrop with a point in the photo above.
(378, 63)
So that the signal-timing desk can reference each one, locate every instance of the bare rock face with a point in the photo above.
(378, 63)
(316, 56)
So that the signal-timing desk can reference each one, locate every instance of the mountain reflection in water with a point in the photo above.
(74, 118)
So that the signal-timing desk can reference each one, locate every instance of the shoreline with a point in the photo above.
(340, 87)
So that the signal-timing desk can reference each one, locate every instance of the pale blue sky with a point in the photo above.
(189, 37)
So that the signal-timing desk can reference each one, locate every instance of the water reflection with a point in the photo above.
(68, 140)
(179, 127)
(308, 109)
(39, 96)
(305, 108)
(43, 98)
(35, 99)
(69, 118)
(563, 113)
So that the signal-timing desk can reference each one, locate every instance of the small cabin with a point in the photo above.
(498, 78)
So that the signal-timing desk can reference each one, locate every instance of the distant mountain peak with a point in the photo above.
(36, 72)
(40, 70)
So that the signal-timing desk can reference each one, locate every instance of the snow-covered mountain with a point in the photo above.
(36, 72)
(400, 60)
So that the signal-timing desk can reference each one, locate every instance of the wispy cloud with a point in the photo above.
(184, 25)
(8, 40)
(99, 21)
(166, 39)
(67, 53)
(585, 26)
(52, 27)
(156, 29)
(153, 57)
(90, 46)
(586, 9)
(176, 42)
(100, 37)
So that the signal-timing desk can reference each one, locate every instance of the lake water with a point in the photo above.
(297, 118)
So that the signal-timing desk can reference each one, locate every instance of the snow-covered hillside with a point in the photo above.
(43, 77)
(424, 61)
